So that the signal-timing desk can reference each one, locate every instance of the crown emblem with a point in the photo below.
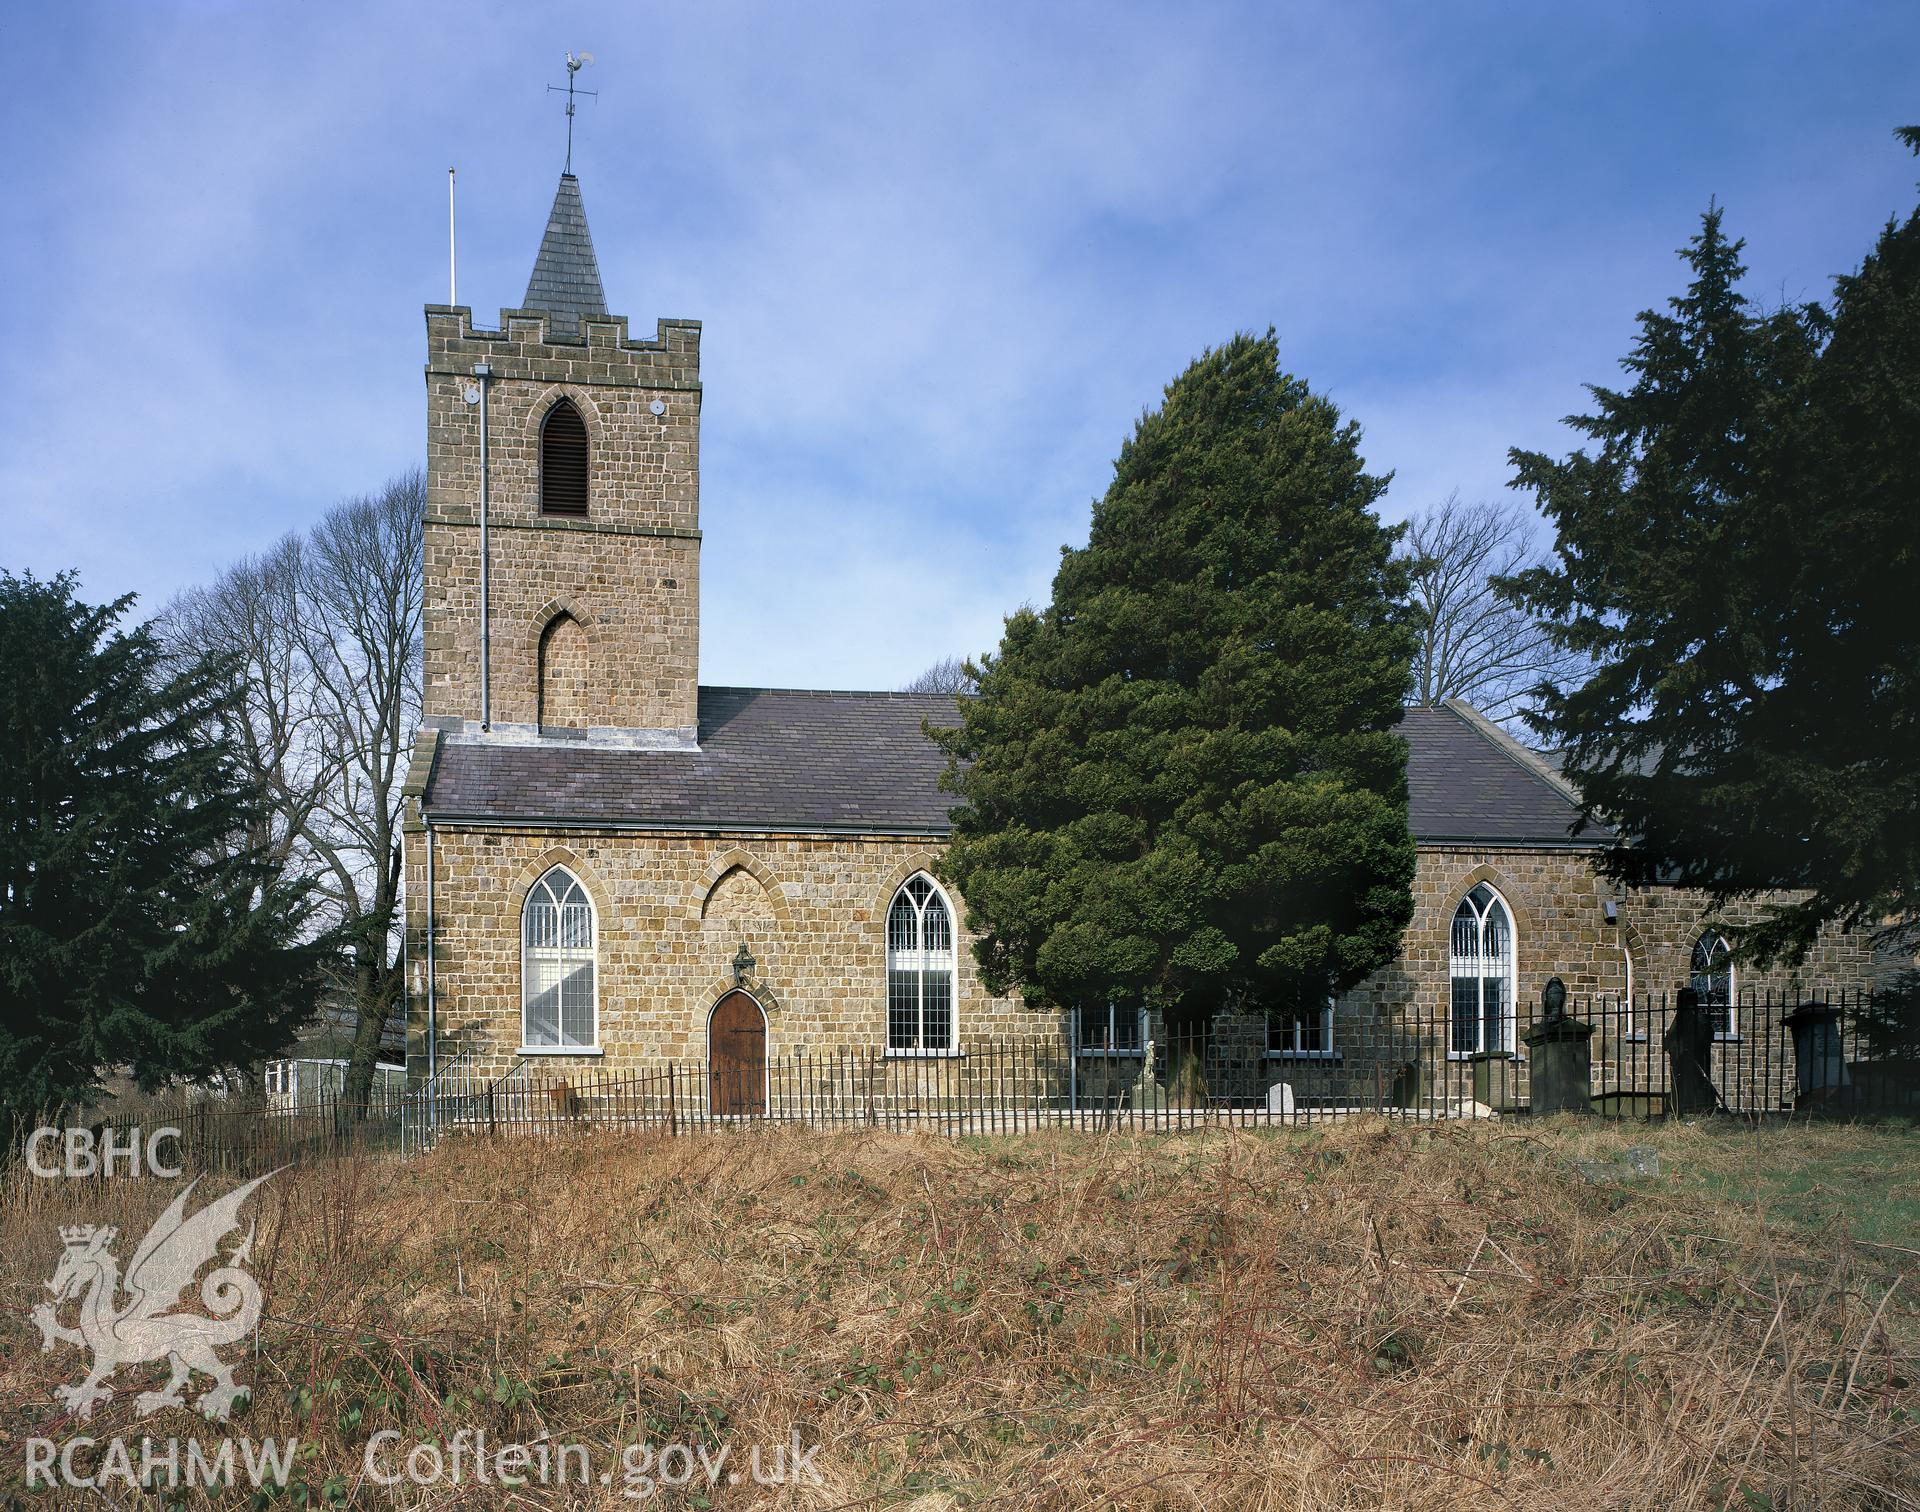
(79, 1236)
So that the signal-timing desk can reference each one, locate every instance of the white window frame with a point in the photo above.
(278, 1078)
(1732, 1004)
(1631, 1027)
(1296, 1051)
(1479, 973)
(922, 961)
(1110, 1050)
(561, 954)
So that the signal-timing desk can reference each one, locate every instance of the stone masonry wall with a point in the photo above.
(672, 910)
(628, 572)
(1557, 902)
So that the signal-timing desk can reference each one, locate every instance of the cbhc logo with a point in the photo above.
(109, 1153)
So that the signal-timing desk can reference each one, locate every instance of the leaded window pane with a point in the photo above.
(903, 924)
(936, 1009)
(920, 969)
(1712, 979)
(1466, 1014)
(903, 1010)
(557, 963)
(1493, 1009)
(937, 932)
(1480, 966)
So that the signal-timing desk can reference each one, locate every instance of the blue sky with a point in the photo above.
(944, 254)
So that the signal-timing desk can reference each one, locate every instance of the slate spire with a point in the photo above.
(566, 275)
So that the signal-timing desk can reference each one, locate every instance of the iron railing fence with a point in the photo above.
(1237, 1070)
(215, 1134)
(1410, 1063)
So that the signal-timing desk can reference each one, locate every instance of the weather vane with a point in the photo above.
(575, 62)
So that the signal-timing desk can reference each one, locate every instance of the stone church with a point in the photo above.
(609, 865)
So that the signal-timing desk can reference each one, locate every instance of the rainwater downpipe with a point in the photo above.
(433, 1016)
(483, 372)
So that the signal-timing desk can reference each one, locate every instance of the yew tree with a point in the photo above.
(1180, 784)
(1738, 554)
(143, 925)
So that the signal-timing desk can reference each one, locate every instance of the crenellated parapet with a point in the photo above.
(532, 344)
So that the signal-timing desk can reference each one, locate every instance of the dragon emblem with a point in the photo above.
(148, 1325)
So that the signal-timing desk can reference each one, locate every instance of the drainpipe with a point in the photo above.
(433, 1017)
(483, 372)
(1073, 1059)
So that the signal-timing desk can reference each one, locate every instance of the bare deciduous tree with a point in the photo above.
(948, 675)
(362, 591)
(325, 630)
(1474, 644)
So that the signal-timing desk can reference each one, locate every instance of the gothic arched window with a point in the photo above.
(557, 1001)
(563, 461)
(1712, 978)
(919, 970)
(1480, 963)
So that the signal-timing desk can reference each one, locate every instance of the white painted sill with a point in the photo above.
(588, 1050)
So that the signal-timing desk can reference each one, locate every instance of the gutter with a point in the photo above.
(674, 827)
(450, 818)
(1509, 842)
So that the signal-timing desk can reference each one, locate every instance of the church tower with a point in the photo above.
(562, 550)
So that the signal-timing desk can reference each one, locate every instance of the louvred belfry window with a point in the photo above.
(563, 461)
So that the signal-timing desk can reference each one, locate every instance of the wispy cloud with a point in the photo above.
(945, 255)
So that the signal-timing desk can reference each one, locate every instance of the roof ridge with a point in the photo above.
(821, 692)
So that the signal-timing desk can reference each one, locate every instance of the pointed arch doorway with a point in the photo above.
(737, 1056)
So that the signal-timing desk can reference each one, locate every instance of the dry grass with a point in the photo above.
(1358, 1315)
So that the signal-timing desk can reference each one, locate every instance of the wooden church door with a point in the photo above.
(737, 1056)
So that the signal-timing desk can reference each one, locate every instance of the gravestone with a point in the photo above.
(1409, 1084)
(1819, 1057)
(1689, 1047)
(1561, 1056)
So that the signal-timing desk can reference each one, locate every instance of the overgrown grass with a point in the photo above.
(1361, 1314)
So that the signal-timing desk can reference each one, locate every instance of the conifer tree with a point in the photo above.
(1738, 554)
(139, 928)
(1180, 784)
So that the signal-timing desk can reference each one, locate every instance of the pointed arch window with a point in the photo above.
(1712, 978)
(563, 461)
(564, 675)
(558, 1000)
(1480, 964)
(920, 970)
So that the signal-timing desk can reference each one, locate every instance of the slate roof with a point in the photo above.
(1468, 780)
(778, 759)
(566, 274)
